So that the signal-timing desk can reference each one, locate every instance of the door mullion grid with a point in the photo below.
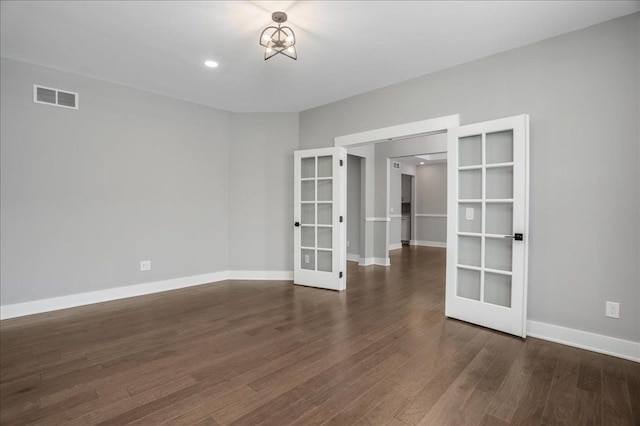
(483, 230)
(315, 243)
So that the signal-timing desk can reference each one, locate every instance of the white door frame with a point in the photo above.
(395, 133)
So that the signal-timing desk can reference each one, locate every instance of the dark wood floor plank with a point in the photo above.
(531, 407)
(268, 352)
(632, 371)
(616, 404)
(514, 386)
(463, 386)
(559, 408)
(587, 408)
(446, 372)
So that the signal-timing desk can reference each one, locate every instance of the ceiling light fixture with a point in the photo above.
(211, 64)
(278, 39)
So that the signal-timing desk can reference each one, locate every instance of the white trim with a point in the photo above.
(382, 261)
(352, 257)
(430, 215)
(395, 216)
(439, 244)
(399, 132)
(395, 246)
(89, 298)
(261, 275)
(377, 219)
(620, 348)
(366, 261)
(81, 299)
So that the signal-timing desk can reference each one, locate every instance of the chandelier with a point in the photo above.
(278, 39)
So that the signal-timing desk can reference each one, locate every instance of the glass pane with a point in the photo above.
(308, 167)
(470, 217)
(324, 238)
(308, 190)
(500, 147)
(469, 251)
(500, 183)
(325, 212)
(470, 184)
(308, 259)
(498, 253)
(325, 261)
(308, 236)
(470, 151)
(500, 218)
(468, 284)
(497, 289)
(324, 190)
(308, 212)
(325, 166)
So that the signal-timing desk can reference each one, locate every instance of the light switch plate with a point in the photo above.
(469, 213)
(145, 265)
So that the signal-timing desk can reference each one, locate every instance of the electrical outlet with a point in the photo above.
(145, 265)
(306, 258)
(612, 310)
(348, 243)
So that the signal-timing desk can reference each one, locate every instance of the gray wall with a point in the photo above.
(431, 198)
(582, 93)
(261, 191)
(354, 201)
(87, 194)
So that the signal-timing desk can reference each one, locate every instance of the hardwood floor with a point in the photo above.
(248, 353)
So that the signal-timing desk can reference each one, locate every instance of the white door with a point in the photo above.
(487, 231)
(319, 246)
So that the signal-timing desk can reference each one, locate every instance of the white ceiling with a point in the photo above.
(344, 47)
(418, 160)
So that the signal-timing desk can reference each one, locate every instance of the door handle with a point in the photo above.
(296, 224)
(516, 237)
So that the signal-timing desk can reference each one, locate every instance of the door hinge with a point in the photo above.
(340, 274)
(341, 163)
(341, 219)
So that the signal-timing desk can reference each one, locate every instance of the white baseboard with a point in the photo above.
(428, 243)
(382, 261)
(353, 257)
(89, 298)
(584, 340)
(395, 246)
(366, 261)
(261, 275)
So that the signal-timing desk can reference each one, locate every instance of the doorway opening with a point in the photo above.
(487, 204)
(417, 201)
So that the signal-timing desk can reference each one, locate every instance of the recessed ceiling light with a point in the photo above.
(211, 64)
(422, 162)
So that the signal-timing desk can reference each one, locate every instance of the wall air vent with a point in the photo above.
(55, 97)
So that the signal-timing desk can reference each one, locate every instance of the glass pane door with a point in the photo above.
(318, 197)
(485, 217)
(488, 221)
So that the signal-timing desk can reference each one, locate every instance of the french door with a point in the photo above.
(487, 227)
(319, 218)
